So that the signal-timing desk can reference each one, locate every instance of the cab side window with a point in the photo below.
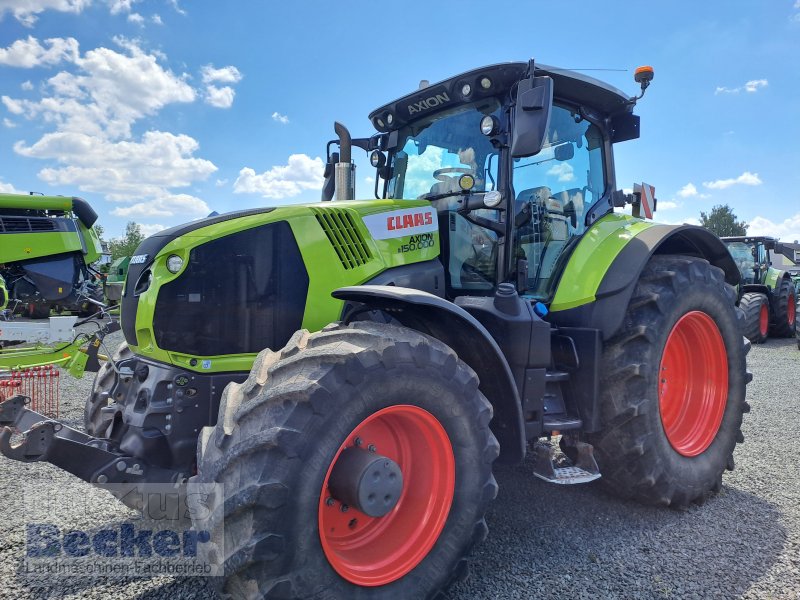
(554, 189)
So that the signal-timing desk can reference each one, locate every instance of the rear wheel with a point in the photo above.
(783, 310)
(356, 462)
(755, 307)
(674, 387)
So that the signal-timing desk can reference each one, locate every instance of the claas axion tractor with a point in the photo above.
(47, 247)
(351, 370)
(767, 295)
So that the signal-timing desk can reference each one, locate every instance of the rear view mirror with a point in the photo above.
(531, 116)
(564, 152)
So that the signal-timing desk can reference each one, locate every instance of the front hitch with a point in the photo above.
(95, 460)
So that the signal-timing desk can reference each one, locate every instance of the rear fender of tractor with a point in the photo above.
(595, 292)
(474, 345)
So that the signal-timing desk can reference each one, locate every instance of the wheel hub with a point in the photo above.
(367, 481)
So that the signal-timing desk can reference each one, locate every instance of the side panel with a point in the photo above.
(600, 277)
(25, 246)
(595, 253)
(773, 277)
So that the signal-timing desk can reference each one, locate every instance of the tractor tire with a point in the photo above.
(783, 310)
(37, 311)
(673, 390)
(363, 387)
(755, 307)
(101, 391)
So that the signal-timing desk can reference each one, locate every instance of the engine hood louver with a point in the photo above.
(340, 227)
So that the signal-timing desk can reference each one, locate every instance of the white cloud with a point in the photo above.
(9, 123)
(221, 182)
(149, 229)
(120, 6)
(156, 19)
(27, 11)
(687, 191)
(110, 91)
(7, 188)
(220, 97)
(282, 119)
(667, 205)
(229, 74)
(177, 8)
(123, 171)
(751, 87)
(29, 53)
(787, 230)
(15, 107)
(89, 111)
(165, 206)
(136, 18)
(746, 178)
(27, 86)
(687, 221)
(563, 171)
(300, 173)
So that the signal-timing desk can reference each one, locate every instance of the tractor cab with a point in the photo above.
(751, 255)
(517, 161)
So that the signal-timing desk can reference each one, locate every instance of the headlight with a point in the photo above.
(489, 125)
(174, 263)
(492, 199)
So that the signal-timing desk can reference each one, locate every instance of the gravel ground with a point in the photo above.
(545, 541)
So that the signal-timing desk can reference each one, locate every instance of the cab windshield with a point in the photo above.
(743, 256)
(432, 156)
(434, 153)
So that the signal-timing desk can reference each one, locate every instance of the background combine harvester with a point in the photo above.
(47, 245)
(767, 296)
(350, 371)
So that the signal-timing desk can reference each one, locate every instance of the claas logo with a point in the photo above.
(408, 220)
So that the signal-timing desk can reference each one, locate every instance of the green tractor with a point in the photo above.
(115, 279)
(47, 246)
(767, 295)
(351, 370)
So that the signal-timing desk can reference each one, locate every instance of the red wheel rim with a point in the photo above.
(791, 310)
(763, 320)
(693, 386)
(371, 551)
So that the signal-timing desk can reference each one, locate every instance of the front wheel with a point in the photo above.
(356, 462)
(673, 393)
(755, 307)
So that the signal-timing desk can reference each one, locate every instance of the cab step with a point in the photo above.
(584, 469)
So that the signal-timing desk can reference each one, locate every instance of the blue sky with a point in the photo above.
(161, 111)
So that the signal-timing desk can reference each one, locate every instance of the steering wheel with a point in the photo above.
(441, 173)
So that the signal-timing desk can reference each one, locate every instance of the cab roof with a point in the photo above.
(568, 85)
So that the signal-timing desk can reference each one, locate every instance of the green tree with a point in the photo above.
(127, 244)
(722, 221)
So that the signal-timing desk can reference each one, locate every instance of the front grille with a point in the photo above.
(26, 224)
(340, 227)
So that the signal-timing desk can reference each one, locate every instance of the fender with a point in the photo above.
(599, 279)
(474, 345)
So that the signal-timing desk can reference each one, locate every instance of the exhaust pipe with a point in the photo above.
(345, 170)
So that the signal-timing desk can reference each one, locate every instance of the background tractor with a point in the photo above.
(767, 295)
(47, 245)
(351, 370)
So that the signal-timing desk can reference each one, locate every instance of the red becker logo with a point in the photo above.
(409, 220)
